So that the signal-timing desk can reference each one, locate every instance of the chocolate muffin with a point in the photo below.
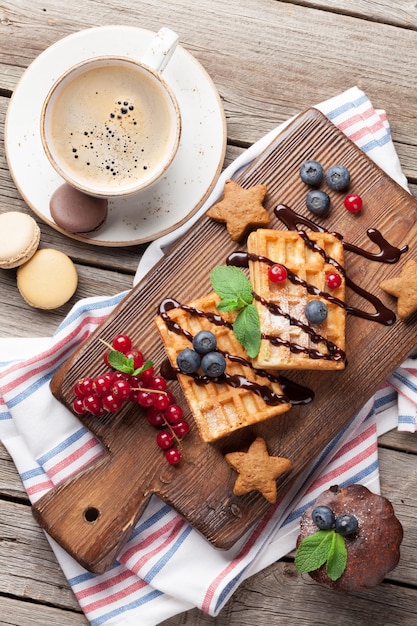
(373, 549)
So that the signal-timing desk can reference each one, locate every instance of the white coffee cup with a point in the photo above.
(110, 125)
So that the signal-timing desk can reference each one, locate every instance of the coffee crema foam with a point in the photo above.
(110, 126)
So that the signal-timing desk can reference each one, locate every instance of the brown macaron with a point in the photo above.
(76, 212)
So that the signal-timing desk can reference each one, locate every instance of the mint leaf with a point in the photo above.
(143, 368)
(229, 304)
(247, 329)
(324, 546)
(337, 559)
(120, 362)
(230, 283)
(235, 291)
(313, 551)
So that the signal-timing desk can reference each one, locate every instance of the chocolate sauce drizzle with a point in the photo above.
(387, 254)
(294, 393)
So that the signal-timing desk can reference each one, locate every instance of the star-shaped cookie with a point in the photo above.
(257, 470)
(404, 287)
(241, 209)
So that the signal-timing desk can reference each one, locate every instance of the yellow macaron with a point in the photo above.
(48, 280)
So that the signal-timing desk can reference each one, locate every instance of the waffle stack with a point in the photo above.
(297, 343)
(236, 399)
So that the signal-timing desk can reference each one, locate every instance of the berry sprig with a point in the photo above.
(132, 379)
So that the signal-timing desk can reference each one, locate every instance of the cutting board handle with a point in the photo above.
(92, 514)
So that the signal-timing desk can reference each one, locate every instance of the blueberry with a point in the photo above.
(346, 525)
(188, 361)
(213, 364)
(316, 311)
(204, 341)
(311, 173)
(318, 202)
(323, 517)
(338, 177)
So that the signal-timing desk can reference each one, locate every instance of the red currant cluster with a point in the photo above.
(132, 379)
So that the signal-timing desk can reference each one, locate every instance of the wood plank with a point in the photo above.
(400, 13)
(280, 593)
(24, 552)
(18, 613)
(10, 484)
(252, 106)
(403, 441)
(398, 486)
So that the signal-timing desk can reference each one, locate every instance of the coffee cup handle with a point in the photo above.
(160, 49)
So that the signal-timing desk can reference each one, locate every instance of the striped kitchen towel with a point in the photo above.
(166, 567)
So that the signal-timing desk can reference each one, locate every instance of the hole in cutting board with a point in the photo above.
(91, 514)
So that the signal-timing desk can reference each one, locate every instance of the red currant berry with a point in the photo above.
(106, 359)
(93, 404)
(147, 376)
(181, 428)
(353, 203)
(121, 389)
(112, 403)
(173, 413)
(102, 384)
(83, 387)
(164, 439)
(145, 399)
(137, 357)
(133, 396)
(170, 396)
(158, 383)
(333, 280)
(78, 406)
(120, 376)
(134, 381)
(155, 417)
(277, 273)
(160, 401)
(173, 456)
(122, 343)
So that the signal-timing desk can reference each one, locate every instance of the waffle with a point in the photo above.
(218, 407)
(297, 343)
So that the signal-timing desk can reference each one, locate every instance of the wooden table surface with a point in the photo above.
(269, 61)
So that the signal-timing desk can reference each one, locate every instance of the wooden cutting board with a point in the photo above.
(93, 513)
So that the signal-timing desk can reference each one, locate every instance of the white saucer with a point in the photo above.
(165, 205)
